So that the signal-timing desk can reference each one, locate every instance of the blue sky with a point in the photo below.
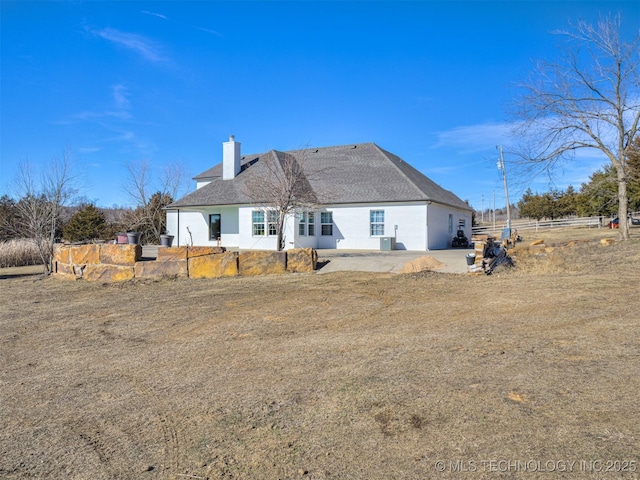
(166, 82)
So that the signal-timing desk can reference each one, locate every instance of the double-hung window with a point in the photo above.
(258, 223)
(311, 222)
(302, 224)
(273, 222)
(326, 223)
(377, 222)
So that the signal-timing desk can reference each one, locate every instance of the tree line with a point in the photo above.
(46, 209)
(597, 197)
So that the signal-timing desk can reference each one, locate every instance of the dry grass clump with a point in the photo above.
(18, 252)
(421, 264)
(578, 257)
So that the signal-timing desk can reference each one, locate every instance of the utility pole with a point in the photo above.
(506, 190)
(482, 208)
(494, 209)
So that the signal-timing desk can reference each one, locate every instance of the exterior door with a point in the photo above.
(214, 226)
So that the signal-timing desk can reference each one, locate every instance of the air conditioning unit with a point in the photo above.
(387, 243)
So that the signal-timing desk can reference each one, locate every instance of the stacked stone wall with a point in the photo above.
(115, 262)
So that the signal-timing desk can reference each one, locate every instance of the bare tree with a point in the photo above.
(282, 187)
(589, 99)
(151, 194)
(42, 199)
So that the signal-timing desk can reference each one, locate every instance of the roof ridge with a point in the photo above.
(388, 155)
(346, 145)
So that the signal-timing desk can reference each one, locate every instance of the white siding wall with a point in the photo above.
(352, 228)
(247, 240)
(440, 235)
(268, 242)
(198, 224)
(420, 227)
(305, 241)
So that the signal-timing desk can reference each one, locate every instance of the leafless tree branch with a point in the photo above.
(590, 98)
(283, 186)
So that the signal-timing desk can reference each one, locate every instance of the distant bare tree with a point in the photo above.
(43, 197)
(150, 195)
(282, 188)
(590, 99)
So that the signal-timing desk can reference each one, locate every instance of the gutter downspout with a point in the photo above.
(178, 228)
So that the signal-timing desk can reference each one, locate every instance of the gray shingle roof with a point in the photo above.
(362, 173)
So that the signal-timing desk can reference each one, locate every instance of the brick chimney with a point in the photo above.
(230, 158)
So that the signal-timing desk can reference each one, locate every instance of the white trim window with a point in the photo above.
(377, 223)
(311, 224)
(302, 224)
(273, 222)
(326, 223)
(214, 226)
(258, 229)
(451, 223)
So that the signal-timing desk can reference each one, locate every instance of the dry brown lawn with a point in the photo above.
(529, 373)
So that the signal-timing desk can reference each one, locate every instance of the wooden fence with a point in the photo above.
(531, 224)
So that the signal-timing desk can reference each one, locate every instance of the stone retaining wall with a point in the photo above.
(114, 262)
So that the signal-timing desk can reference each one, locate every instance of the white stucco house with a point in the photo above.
(368, 199)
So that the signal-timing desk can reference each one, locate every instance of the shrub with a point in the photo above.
(88, 223)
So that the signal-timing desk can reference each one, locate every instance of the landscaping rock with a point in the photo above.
(214, 266)
(301, 260)
(83, 254)
(161, 268)
(61, 253)
(262, 263)
(120, 254)
(200, 251)
(172, 253)
(109, 273)
(63, 269)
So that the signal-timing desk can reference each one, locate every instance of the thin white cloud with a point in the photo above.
(159, 15)
(120, 96)
(146, 48)
(164, 17)
(88, 149)
(474, 138)
(208, 30)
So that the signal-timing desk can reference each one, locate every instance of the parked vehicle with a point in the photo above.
(615, 223)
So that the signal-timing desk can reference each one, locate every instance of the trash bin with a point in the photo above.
(471, 258)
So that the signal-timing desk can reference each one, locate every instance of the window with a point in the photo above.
(214, 226)
(377, 222)
(450, 223)
(258, 222)
(302, 224)
(326, 223)
(312, 226)
(273, 222)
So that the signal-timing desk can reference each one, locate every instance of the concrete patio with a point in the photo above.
(331, 260)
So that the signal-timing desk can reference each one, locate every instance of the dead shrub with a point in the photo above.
(18, 253)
